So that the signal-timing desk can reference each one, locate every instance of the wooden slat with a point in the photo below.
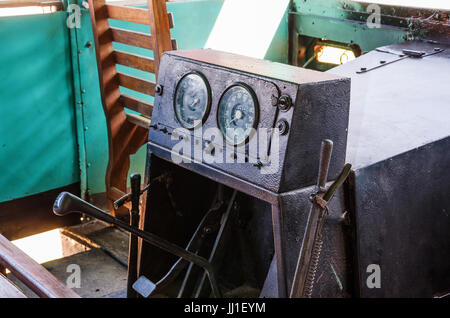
(136, 84)
(130, 14)
(29, 272)
(174, 44)
(160, 30)
(134, 60)
(171, 25)
(116, 193)
(8, 289)
(133, 38)
(139, 120)
(136, 104)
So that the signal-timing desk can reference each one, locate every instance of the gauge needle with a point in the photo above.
(195, 102)
(237, 115)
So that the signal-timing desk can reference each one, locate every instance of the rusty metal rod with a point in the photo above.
(338, 182)
(127, 197)
(326, 150)
(305, 259)
(135, 181)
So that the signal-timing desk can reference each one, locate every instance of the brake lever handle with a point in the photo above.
(66, 203)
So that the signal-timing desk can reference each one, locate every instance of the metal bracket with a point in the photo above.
(406, 54)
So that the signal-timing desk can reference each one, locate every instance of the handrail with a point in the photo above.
(29, 272)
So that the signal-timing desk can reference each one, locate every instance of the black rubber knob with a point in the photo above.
(67, 203)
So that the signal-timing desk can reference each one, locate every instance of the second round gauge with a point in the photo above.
(238, 113)
(192, 99)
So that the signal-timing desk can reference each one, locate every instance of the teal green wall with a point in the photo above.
(38, 145)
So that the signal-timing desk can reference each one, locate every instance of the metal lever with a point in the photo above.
(135, 181)
(324, 164)
(312, 241)
(67, 203)
(127, 197)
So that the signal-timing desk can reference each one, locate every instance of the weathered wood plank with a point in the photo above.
(160, 30)
(170, 16)
(139, 120)
(136, 104)
(130, 14)
(137, 84)
(29, 272)
(132, 38)
(134, 60)
(8, 289)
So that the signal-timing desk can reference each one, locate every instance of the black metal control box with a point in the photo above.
(306, 106)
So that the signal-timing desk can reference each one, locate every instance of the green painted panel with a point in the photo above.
(347, 32)
(91, 123)
(38, 149)
(278, 50)
(329, 19)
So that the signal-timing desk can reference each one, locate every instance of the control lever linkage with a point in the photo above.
(67, 203)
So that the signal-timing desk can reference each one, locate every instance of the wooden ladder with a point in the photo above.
(127, 132)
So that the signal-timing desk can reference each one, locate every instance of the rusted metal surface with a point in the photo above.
(431, 24)
(135, 181)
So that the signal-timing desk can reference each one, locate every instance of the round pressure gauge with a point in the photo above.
(237, 113)
(192, 99)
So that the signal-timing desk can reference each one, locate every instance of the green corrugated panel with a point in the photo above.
(38, 149)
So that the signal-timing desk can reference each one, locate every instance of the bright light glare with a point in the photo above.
(29, 10)
(42, 247)
(247, 27)
(334, 55)
(426, 4)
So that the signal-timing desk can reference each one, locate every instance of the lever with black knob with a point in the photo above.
(67, 203)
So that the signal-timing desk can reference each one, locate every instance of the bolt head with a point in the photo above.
(159, 89)
(284, 103)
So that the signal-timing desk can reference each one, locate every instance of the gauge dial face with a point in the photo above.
(192, 100)
(237, 114)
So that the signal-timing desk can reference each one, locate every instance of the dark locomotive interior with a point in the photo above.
(178, 201)
(385, 114)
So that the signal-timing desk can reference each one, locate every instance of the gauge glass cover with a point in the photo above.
(192, 100)
(237, 114)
